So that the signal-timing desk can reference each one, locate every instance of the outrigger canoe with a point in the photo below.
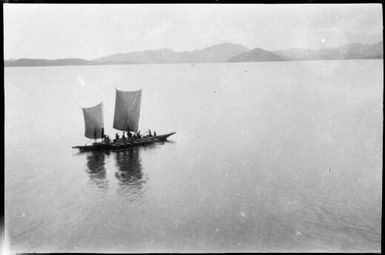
(120, 144)
(126, 119)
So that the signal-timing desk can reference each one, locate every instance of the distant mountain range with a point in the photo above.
(350, 51)
(48, 62)
(225, 52)
(217, 53)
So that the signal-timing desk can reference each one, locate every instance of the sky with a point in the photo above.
(91, 31)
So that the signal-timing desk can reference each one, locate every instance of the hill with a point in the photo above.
(256, 55)
(217, 53)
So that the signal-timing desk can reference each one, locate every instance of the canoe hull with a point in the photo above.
(123, 144)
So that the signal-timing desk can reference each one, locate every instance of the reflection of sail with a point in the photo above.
(96, 170)
(93, 119)
(127, 110)
(130, 169)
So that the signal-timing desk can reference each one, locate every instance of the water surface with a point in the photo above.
(274, 156)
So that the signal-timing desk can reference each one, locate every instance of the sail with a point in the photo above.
(93, 119)
(127, 110)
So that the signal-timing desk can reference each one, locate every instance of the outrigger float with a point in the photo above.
(126, 119)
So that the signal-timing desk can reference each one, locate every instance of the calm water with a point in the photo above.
(282, 156)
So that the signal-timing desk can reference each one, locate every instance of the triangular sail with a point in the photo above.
(93, 119)
(127, 110)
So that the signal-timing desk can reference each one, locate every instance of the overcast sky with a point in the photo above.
(91, 31)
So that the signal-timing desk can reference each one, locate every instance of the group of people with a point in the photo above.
(130, 136)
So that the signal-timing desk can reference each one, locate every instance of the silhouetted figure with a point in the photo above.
(95, 134)
(154, 133)
(129, 135)
(102, 132)
(149, 132)
(116, 136)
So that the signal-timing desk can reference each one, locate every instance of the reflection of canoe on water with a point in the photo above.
(126, 119)
(121, 144)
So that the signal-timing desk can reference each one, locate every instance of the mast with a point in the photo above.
(127, 110)
(93, 119)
